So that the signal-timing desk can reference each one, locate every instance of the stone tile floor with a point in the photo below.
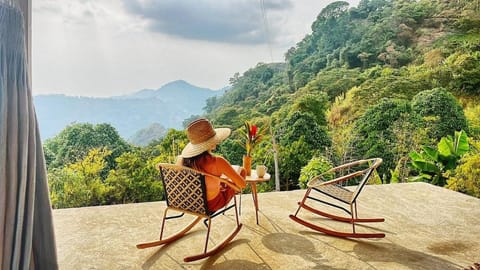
(427, 227)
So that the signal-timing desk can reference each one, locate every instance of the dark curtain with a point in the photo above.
(27, 238)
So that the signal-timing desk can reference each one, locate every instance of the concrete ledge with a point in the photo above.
(427, 227)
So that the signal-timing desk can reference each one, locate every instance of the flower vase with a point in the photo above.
(247, 164)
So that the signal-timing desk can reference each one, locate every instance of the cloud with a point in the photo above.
(113, 47)
(233, 21)
(70, 12)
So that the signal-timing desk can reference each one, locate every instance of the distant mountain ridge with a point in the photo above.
(172, 91)
(168, 106)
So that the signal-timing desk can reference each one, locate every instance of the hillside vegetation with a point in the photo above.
(381, 79)
(396, 79)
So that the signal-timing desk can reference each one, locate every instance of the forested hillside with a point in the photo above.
(396, 79)
(382, 79)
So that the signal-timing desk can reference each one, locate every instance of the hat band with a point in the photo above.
(202, 139)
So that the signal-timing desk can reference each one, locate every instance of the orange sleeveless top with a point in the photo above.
(217, 166)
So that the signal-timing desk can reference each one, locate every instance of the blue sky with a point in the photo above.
(115, 47)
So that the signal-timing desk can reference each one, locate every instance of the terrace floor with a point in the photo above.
(427, 227)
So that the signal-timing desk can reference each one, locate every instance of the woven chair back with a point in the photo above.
(184, 188)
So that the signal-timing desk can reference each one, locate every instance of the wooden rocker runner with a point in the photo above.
(333, 189)
(186, 193)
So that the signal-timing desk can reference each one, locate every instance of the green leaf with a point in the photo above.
(445, 147)
(461, 143)
(415, 156)
(420, 178)
(450, 164)
(431, 153)
(425, 166)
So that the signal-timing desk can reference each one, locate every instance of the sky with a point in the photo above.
(101, 48)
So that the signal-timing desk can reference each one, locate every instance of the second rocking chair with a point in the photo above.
(333, 189)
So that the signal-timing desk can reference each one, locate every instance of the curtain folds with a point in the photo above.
(27, 238)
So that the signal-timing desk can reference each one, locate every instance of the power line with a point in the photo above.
(274, 144)
(267, 32)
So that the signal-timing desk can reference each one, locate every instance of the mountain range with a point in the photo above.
(167, 106)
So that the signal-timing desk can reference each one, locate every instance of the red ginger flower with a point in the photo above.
(253, 136)
(253, 131)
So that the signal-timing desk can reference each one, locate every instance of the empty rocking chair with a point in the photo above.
(334, 190)
(185, 192)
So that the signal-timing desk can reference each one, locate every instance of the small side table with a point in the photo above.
(253, 179)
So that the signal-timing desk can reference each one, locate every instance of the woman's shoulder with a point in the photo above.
(212, 159)
(220, 159)
(213, 164)
(218, 163)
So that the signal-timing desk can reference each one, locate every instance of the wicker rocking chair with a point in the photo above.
(185, 192)
(333, 189)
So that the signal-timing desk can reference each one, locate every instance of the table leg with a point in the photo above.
(255, 199)
(240, 206)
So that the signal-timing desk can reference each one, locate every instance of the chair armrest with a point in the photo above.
(376, 163)
(222, 180)
(346, 166)
(316, 181)
(231, 184)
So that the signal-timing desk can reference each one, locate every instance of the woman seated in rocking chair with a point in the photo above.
(198, 155)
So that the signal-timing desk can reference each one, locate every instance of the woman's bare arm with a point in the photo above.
(235, 173)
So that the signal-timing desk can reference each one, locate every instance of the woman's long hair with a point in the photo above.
(192, 161)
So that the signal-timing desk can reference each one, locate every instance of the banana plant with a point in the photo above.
(431, 164)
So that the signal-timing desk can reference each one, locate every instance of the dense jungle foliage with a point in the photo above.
(396, 79)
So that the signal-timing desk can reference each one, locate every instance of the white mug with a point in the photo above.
(261, 170)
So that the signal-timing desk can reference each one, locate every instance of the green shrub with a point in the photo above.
(374, 134)
(440, 111)
(472, 114)
(315, 166)
(466, 177)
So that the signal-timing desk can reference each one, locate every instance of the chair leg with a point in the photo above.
(237, 211)
(302, 203)
(221, 245)
(216, 249)
(208, 234)
(163, 223)
(352, 213)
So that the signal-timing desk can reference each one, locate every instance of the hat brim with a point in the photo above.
(192, 150)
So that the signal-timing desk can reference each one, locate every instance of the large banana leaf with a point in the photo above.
(461, 143)
(450, 163)
(457, 147)
(435, 162)
(426, 166)
(430, 153)
(445, 147)
(414, 155)
(421, 163)
(420, 178)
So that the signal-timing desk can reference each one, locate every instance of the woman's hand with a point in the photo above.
(242, 171)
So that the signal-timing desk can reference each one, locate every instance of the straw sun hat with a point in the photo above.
(203, 137)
